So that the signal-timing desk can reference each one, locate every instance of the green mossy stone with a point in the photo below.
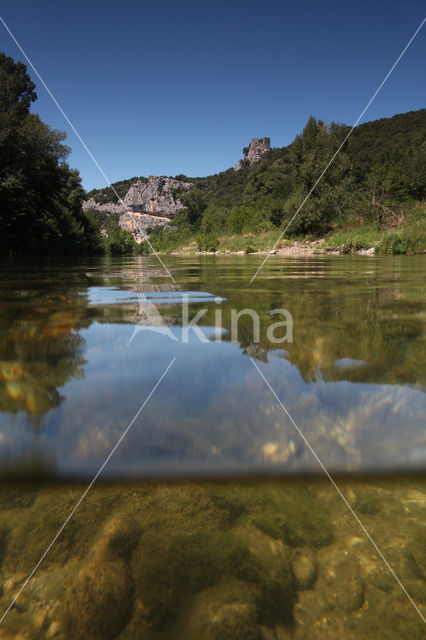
(226, 611)
(273, 580)
(230, 501)
(189, 564)
(266, 525)
(415, 554)
(368, 501)
(20, 497)
(99, 601)
(301, 517)
(4, 535)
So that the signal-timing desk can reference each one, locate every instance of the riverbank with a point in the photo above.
(366, 241)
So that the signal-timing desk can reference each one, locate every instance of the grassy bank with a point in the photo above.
(405, 240)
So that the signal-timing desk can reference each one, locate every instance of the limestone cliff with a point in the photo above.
(146, 204)
(155, 197)
(107, 207)
(138, 223)
(258, 146)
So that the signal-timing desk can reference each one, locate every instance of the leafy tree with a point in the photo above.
(40, 196)
(310, 154)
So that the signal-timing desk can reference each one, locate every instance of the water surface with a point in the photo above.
(83, 343)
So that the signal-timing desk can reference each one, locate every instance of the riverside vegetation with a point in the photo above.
(371, 196)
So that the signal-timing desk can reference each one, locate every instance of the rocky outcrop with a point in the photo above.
(138, 223)
(108, 207)
(155, 197)
(258, 146)
(146, 204)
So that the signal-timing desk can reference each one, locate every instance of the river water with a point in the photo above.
(83, 344)
(261, 448)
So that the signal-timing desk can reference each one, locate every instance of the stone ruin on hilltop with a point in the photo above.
(258, 146)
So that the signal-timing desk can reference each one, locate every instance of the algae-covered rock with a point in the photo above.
(267, 525)
(328, 627)
(21, 496)
(274, 577)
(304, 569)
(118, 538)
(415, 554)
(99, 600)
(345, 585)
(4, 534)
(189, 564)
(226, 611)
(299, 515)
(367, 501)
(33, 528)
(230, 500)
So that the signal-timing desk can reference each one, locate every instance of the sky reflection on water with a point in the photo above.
(353, 378)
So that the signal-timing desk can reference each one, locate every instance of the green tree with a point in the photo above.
(40, 196)
(119, 242)
(309, 155)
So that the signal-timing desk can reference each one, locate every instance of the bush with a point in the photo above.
(143, 248)
(119, 242)
(208, 243)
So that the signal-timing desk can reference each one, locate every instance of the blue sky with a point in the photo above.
(180, 87)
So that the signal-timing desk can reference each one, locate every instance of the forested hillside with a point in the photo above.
(376, 178)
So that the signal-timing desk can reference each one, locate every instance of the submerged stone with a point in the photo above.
(99, 601)
(226, 611)
(304, 570)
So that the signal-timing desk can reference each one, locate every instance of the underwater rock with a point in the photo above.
(274, 576)
(415, 555)
(299, 516)
(226, 611)
(368, 501)
(187, 564)
(327, 627)
(118, 538)
(99, 601)
(304, 570)
(347, 587)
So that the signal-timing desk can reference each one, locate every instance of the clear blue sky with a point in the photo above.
(180, 87)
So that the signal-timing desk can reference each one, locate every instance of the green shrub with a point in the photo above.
(209, 242)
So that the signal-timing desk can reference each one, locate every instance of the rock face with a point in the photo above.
(108, 207)
(146, 204)
(138, 223)
(155, 197)
(258, 146)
